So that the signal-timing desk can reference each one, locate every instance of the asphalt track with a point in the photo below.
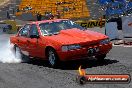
(37, 74)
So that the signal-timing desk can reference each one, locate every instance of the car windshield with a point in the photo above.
(51, 28)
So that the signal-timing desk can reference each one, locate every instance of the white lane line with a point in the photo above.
(123, 45)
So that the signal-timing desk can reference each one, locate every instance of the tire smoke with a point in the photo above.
(7, 54)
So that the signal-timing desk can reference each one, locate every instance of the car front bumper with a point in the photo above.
(84, 52)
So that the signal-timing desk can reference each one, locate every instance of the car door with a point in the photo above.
(22, 37)
(34, 47)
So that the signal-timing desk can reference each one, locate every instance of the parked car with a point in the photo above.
(59, 40)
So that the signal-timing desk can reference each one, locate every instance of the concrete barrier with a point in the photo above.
(13, 24)
(3, 27)
(9, 25)
(111, 30)
(127, 26)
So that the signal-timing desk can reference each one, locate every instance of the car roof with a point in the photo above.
(45, 21)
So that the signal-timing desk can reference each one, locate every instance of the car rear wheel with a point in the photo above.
(100, 58)
(20, 55)
(53, 58)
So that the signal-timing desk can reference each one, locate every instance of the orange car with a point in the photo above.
(59, 40)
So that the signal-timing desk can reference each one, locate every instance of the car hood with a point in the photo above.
(76, 36)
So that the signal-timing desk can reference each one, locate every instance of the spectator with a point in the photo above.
(58, 15)
(39, 16)
(17, 10)
(29, 7)
(49, 15)
(8, 15)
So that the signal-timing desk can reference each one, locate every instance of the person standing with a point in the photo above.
(39, 16)
(58, 15)
(8, 15)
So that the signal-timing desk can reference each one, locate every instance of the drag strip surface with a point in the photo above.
(37, 74)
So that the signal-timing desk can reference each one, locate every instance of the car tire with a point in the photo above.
(20, 55)
(100, 58)
(53, 58)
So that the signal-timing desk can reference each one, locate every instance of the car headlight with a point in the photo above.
(105, 41)
(70, 47)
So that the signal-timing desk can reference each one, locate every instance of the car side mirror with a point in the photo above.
(34, 36)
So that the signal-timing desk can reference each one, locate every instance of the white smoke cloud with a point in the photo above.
(7, 54)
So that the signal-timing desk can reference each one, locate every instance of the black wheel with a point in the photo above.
(52, 58)
(20, 55)
(100, 58)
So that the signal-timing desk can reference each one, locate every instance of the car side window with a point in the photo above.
(24, 31)
(33, 30)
